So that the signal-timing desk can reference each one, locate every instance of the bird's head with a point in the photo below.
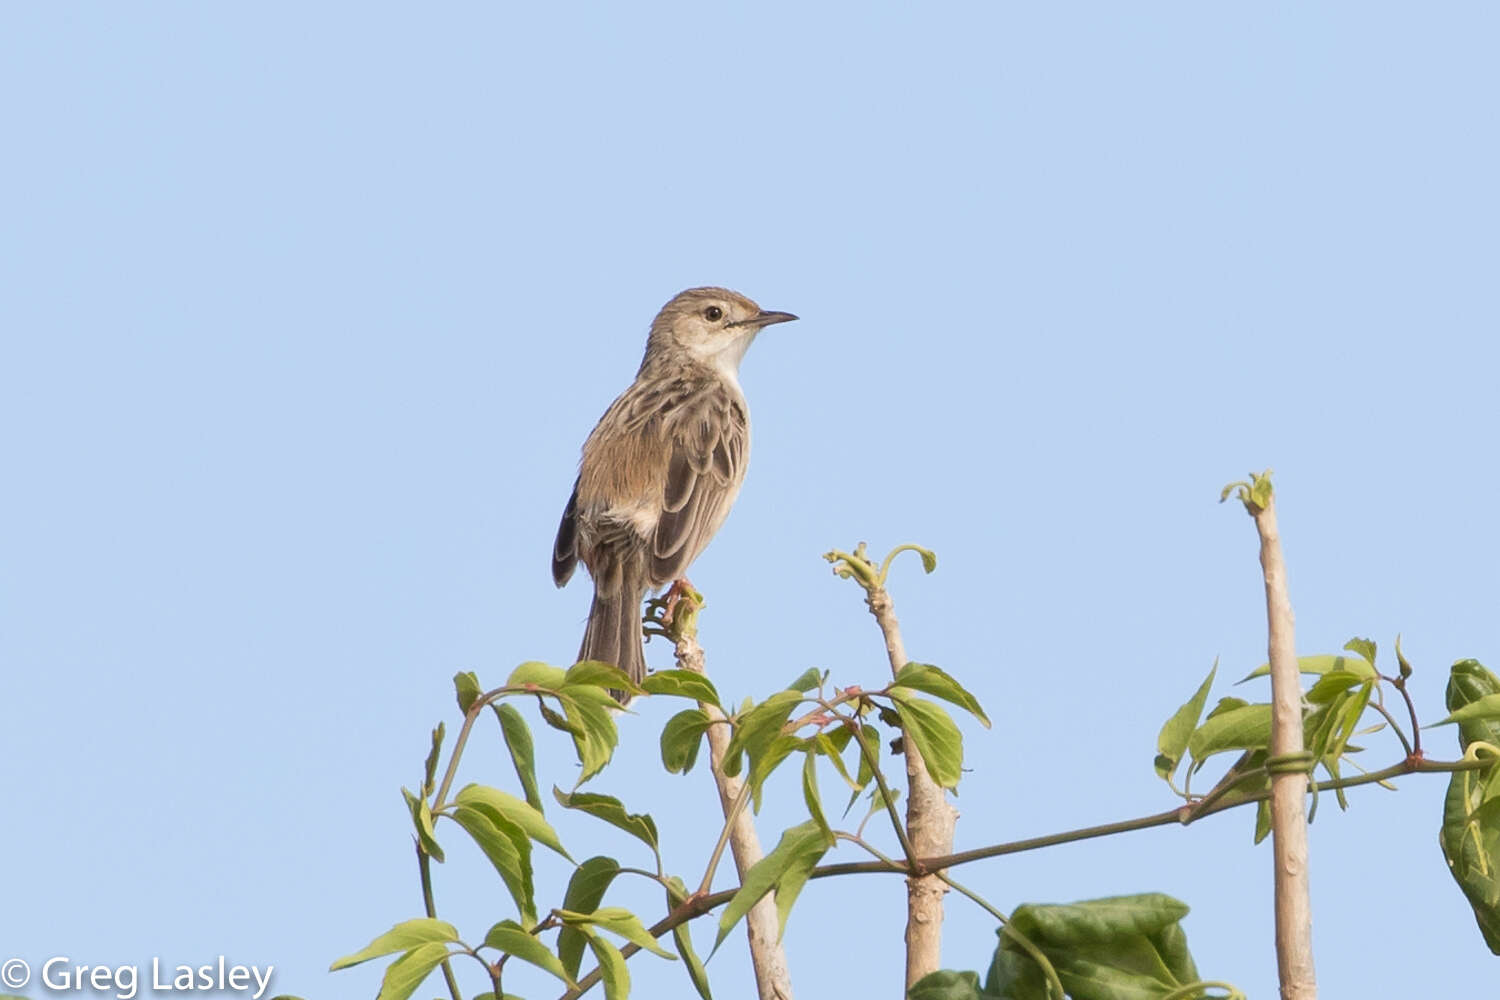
(710, 325)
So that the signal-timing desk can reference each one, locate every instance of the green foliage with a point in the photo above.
(1333, 709)
(1255, 493)
(517, 736)
(421, 817)
(682, 684)
(585, 891)
(610, 809)
(403, 937)
(1322, 664)
(1172, 741)
(1470, 836)
(512, 939)
(429, 767)
(620, 921)
(933, 732)
(681, 737)
(784, 871)
(683, 939)
(1120, 948)
(502, 805)
(505, 843)
(932, 680)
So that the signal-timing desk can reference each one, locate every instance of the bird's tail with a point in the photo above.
(613, 634)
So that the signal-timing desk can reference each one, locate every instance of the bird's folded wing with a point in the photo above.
(709, 438)
(565, 549)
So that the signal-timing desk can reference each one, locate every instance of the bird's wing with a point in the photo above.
(565, 549)
(708, 436)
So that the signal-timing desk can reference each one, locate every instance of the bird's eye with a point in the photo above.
(713, 314)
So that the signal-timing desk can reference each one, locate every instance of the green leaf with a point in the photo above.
(522, 752)
(512, 939)
(1363, 648)
(604, 676)
(612, 968)
(784, 869)
(1247, 727)
(403, 937)
(406, 973)
(1348, 719)
(810, 793)
(522, 814)
(429, 769)
(1224, 705)
(932, 680)
(1468, 682)
(590, 711)
(948, 985)
(683, 939)
(878, 800)
(826, 744)
(509, 850)
(807, 680)
(1172, 741)
(608, 808)
(1470, 839)
(766, 759)
(682, 684)
(759, 726)
(555, 719)
(618, 920)
(1332, 684)
(537, 676)
(421, 818)
(929, 558)
(681, 737)
(1486, 709)
(1262, 820)
(1401, 660)
(798, 870)
(1470, 836)
(935, 735)
(1098, 920)
(1121, 948)
(1171, 945)
(869, 736)
(1320, 665)
(585, 890)
(466, 686)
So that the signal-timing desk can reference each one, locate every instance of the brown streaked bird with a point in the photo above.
(662, 468)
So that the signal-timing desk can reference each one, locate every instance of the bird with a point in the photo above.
(661, 469)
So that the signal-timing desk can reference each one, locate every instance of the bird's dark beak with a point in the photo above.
(766, 317)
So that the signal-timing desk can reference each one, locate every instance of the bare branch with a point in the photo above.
(1289, 762)
(773, 980)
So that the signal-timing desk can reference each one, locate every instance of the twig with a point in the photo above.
(1405, 743)
(424, 865)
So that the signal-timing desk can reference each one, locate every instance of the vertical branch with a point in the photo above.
(425, 867)
(773, 980)
(930, 820)
(1288, 761)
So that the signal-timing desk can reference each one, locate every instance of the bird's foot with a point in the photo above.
(675, 613)
(681, 589)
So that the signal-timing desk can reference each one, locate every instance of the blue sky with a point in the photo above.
(308, 311)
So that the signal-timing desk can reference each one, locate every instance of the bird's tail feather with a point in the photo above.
(613, 634)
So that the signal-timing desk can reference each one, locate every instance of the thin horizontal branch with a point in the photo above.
(1184, 815)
